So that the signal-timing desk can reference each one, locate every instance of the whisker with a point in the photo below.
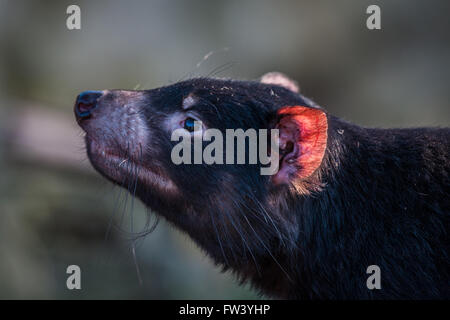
(266, 216)
(138, 271)
(133, 248)
(218, 238)
(228, 237)
(245, 242)
(221, 68)
(267, 249)
(209, 54)
(111, 219)
(189, 74)
(212, 105)
(122, 162)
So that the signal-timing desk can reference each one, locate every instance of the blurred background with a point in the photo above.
(56, 211)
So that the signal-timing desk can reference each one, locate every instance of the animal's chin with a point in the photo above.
(124, 169)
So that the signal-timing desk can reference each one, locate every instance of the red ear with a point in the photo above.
(303, 140)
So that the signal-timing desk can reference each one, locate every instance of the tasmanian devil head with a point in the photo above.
(239, 216)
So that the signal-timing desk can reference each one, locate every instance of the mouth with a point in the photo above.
(125, 168)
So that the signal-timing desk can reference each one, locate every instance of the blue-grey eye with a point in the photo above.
(189, 124)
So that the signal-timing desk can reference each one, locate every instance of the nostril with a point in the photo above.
(86, 102)
(83, 107)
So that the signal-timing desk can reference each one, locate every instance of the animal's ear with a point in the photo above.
(280, 79)
(303, 140)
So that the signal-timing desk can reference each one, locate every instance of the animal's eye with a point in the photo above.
(189, 124)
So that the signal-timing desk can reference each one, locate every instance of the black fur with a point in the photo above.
(380, 197)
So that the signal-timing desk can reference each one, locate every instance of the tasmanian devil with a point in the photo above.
(346, 201)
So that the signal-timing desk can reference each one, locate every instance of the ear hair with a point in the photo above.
(280, 79)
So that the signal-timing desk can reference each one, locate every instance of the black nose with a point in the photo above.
(86, 102)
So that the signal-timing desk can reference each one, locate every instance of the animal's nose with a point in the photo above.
(85, 103)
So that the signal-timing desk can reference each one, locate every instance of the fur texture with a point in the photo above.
(377, 197)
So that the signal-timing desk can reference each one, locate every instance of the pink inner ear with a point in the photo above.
(307, 129)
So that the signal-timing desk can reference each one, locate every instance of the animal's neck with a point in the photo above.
(333, 219)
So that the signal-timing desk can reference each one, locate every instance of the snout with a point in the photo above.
(85, 103)
(112, 119)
